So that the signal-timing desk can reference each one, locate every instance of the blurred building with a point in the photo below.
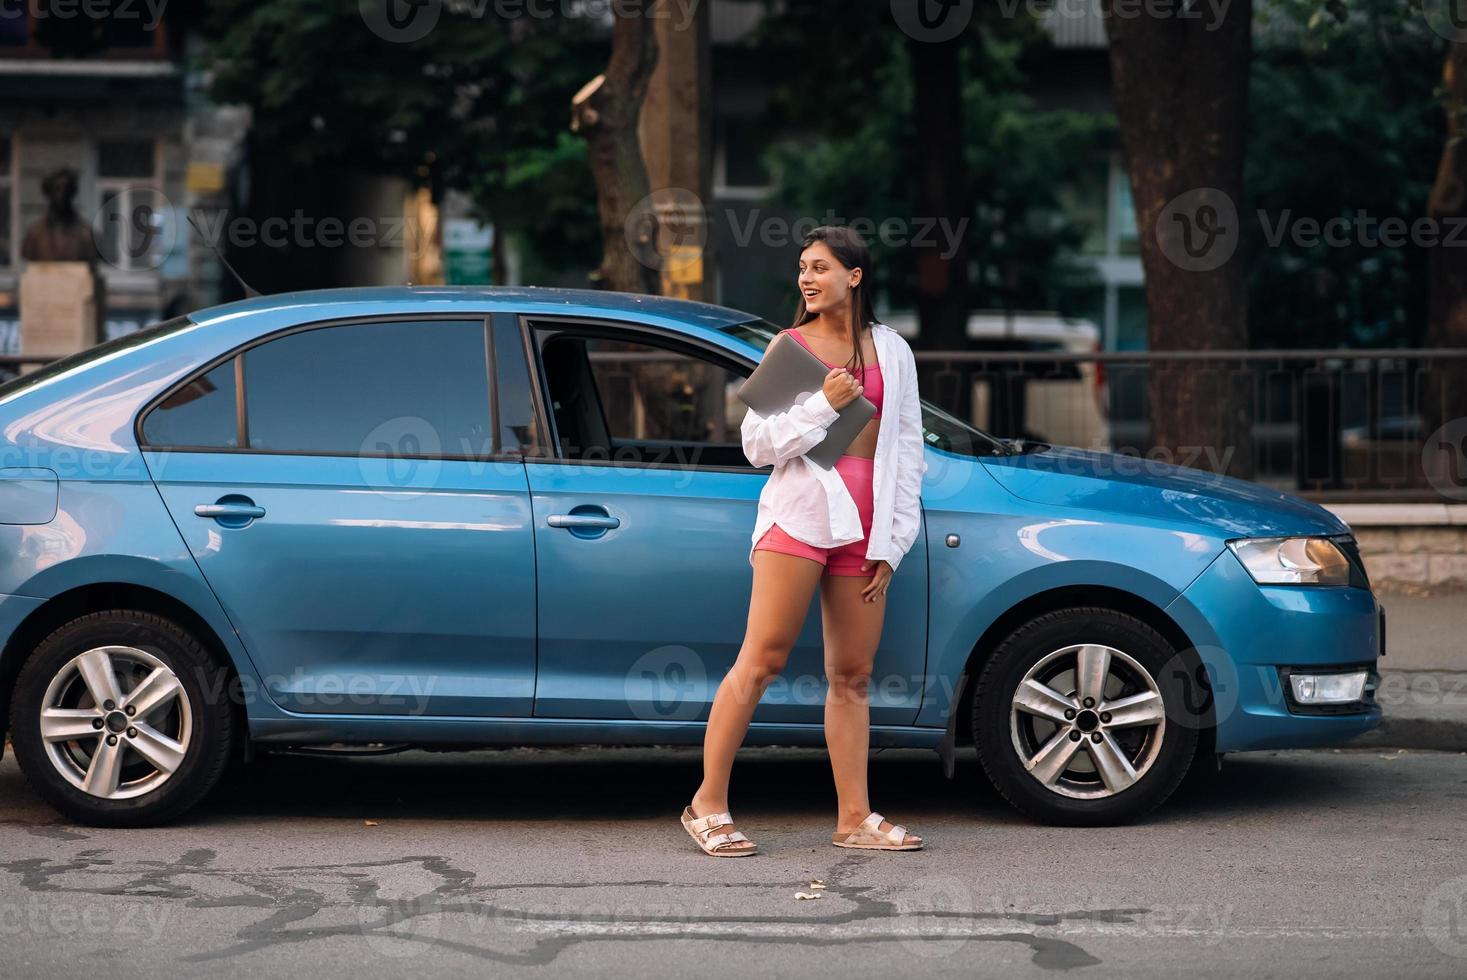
(112, 98)
(121, 100)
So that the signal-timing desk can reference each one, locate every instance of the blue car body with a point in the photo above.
(441, 606)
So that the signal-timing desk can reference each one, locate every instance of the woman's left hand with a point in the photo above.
(879, 579)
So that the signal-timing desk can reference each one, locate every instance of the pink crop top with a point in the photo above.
(873, 388)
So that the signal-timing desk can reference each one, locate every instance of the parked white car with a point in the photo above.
(1064, 403)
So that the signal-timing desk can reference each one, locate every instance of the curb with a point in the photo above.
(1421, 709)
(1416, 732)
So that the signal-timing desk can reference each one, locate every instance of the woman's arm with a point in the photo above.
(772, 439)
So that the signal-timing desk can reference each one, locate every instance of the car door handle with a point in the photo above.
(583, 520)
(231, 508)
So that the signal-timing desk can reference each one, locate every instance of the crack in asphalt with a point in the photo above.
(300, 908)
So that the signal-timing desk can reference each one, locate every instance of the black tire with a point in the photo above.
(1170, 746)
(205, 703)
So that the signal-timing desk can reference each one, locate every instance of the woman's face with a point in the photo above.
(823, 281)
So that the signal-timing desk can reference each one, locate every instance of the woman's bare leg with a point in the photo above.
(778, 603)
(852, 631)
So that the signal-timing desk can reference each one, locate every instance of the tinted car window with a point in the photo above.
(636, 401)
(652, 393)
(519, 428)
(200, 414)
(417, 388)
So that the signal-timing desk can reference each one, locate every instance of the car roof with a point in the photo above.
(521, 298)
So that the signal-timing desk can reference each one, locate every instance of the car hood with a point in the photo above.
(1067, 477)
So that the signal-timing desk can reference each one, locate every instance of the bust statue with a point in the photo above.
(60, 235)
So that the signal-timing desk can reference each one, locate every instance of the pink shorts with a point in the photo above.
(857, 472)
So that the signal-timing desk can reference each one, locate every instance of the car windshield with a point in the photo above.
(940, 429)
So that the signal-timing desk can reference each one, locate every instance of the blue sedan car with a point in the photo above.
(457, 517)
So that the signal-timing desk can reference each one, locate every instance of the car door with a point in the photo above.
(643, 517)
(363, 523)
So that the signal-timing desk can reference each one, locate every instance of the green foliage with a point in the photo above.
(1020, 160)
(481, 103)
(1344, 123)
(547, 197)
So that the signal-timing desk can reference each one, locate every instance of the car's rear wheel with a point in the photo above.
(122, 719)
(1084, 717)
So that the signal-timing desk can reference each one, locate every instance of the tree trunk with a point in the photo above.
(942, 197)
(1180, 85)
(677, 143)
(1444, 393)
(605, 113)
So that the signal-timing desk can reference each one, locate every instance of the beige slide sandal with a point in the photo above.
(718, 845)
(870, 837)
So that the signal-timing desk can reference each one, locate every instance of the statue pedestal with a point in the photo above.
(61, 305)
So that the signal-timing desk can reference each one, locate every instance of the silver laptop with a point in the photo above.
(788, 374)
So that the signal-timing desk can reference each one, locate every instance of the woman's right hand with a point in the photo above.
(841, 388)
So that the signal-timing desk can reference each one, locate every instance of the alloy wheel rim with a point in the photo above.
(116, 722)
(1087, 721)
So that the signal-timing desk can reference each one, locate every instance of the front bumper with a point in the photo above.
(1251, 637)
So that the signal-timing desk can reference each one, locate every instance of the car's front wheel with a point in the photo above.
(1086, 716)
(122, 719)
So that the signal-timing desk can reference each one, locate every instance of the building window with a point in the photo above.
(1123, 237)
(1130, 318)
(116, 28)
(130, 225)
(15, 27)
(738, 168)
(1085, 201)
(131, 29)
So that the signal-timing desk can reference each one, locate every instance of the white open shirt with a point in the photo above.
(811, 503)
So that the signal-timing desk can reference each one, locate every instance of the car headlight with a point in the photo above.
(1293, 561)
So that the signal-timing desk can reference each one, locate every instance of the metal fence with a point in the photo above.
(1327, 424)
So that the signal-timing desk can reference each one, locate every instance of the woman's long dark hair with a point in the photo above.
(851, 251)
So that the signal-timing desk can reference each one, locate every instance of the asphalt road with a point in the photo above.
(572, 862)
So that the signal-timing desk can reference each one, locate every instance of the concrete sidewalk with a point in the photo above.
(1423, 676)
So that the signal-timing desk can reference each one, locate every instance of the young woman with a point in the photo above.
(845, 529)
